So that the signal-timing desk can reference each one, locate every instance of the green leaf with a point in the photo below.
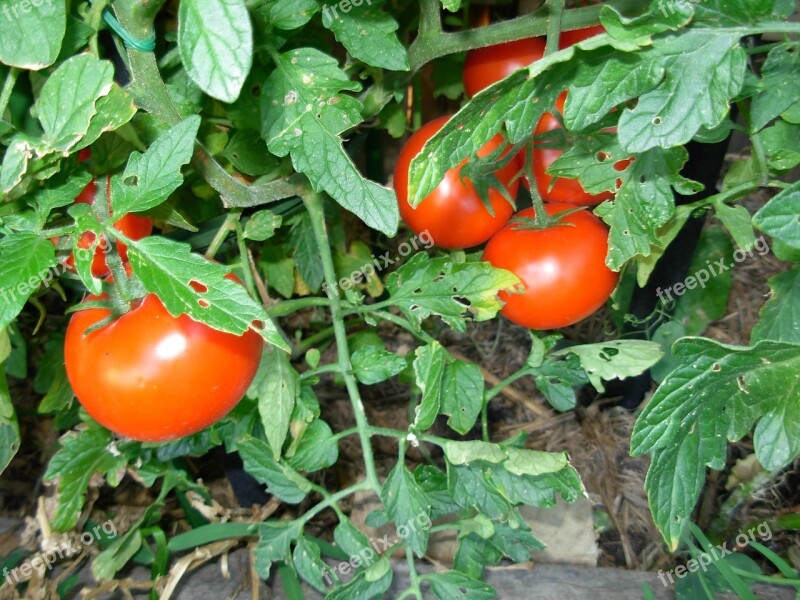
(779, 217)
(276, 388)
(59, 193)
(782, 145)
(581, 160)
(306, 252)
(304, 114)
(262, 225)
(168, 268)
(372, 364)
(702, 73)
(69, 97)
(350, 538)
(281, 481)
(474, 554)
(557, 380)
(463, 453)
(425, 286)
(781, 68)
(717, 392)
(429, 368)
(451, 5)
(248, 154)
(309, 564)
(658, 18)
(32, 33)
(9, 429)
(21, 149)
(452, 585)
(780, 316)
(405, 503)
(462, 395)
(82, 454)
(644, 204)
(151, 177)
(615, 359)
(289, 14)
(113, 111)
(317, 449)
(368, 33)
(731, 13)
(433, 482)
(274, 544)
(738, 222)
(26, 262)
(370, 583)
(215, 38)
(112, 559)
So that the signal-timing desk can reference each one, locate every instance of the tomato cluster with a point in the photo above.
(148, 375)
(561, 267)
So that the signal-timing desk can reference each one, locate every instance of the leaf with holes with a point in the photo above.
(716, 393)
(427, 286)
(615, 359)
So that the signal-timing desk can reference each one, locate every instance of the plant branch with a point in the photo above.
(314, 205)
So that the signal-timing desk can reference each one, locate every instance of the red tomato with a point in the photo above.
(153, 377)
(132, 226)
(562, 268)
(570, 38)
(564, 189)
(453, 214)
(485, 66)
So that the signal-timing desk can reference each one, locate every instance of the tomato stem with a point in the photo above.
(314, 205)
(556, 9)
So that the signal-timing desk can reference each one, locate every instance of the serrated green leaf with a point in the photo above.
(309, 564)
(113, 111)
(68, 99)
(780, 70)
(274, 544)
(406, 503)
(462, 453)
(462, 395)
(703, 72)
(715, 394)
(615, 359)
(782, 145)
(738, 222)
(350, 538)
(433, 482)
(32, 33)
(215, 38)
(9, 428)
(150, 178)
(473, 555)
(262, 225)
(61, 191)
(306, 252)
(370, 583)
(276, 389)
(368, 33)
(582, 160)
(317, 449)
(644, 204)
(280, 480)
(425, 286)
(780, 316)
(778, 218)
(372, 364)
(26, 263)
(453, 585)
(304, 114)
(168, 268)
(82, 454)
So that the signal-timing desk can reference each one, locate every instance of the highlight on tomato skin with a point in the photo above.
(562, 268)
(453, 214)
(152, 377)
(485, 66)
(561, 189)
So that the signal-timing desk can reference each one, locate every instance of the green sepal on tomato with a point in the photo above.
(562, 268)
(153, 377)
(454, 215)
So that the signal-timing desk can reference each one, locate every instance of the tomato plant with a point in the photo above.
(562, 268)
(454, 214)
(258, 137)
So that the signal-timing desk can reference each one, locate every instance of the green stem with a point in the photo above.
(228, 225)
(345, 433)
(413, 575)
(8, 87)
(491, 393)
(245, 257)
(314, 205)
(405, 324)
(329, 368)
(759, 153)
(556, 9)
(333, 499)
(287, 307)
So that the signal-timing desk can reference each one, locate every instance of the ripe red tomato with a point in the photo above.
(453, 214)
(485, 66)
(562, 268)
(570, 38)
(132, 226)
(564, 189)
(153, 377)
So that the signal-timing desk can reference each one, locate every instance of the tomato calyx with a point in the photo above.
(522, 223)
(481, 172)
